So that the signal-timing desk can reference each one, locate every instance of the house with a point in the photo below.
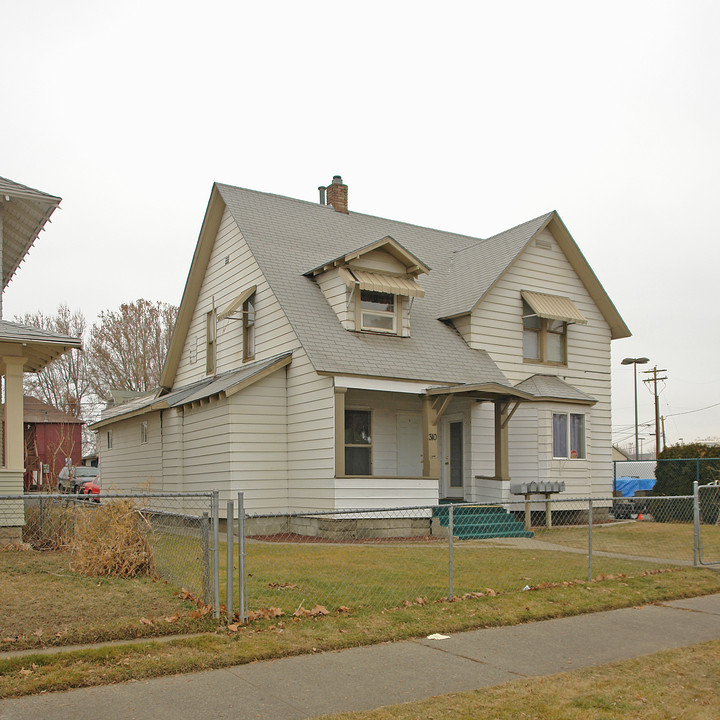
(24, 213)
(53, 439)
(327, 359)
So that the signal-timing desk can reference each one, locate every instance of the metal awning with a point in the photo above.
(553, 307)
(382, 283)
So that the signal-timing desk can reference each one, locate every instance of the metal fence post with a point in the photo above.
(590, 533)
(242, 576)
(229, 527)
(216, 553)
(205, 529)
(696, 523)
(450, 553)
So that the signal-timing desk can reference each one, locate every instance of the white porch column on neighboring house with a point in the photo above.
(13, 415)
(12, 512)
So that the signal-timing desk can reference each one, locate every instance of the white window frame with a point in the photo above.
(248, 320)
(542, 332)
(393, 314)
(143, 432)
(211, 343)
(368, 446)
(579, 453)
(108, 438)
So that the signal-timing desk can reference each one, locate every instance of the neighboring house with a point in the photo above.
(326, 359)
(52, 438)
(23, 214)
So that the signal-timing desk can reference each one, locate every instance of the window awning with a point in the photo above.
(382, 283)
(553, 307)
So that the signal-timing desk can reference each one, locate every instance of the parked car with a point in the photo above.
(73, 479)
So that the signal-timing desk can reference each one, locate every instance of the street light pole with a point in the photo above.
(635, 362)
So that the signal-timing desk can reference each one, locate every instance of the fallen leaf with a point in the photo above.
(146, 621)
(234, 627)
(172, 618)
(38, 632)
(343, 609)
(24, 671)
(9, 639)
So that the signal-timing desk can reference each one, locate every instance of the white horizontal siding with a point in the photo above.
(497, 327)
(232, 269)
(132, 466)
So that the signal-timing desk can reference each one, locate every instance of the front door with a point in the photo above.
(453, 467)
(409, 444)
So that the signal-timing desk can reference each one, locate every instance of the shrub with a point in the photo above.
(678, 467)
(112, 539)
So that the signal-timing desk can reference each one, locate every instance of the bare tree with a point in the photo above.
(65, 383)
(127, 347)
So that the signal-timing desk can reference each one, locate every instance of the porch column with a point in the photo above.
(340, 431)
(502, 464)
(431, 462)
(13, 415)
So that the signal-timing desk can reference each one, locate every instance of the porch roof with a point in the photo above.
(489, 391)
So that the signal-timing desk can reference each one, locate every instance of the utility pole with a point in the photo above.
(655, 380)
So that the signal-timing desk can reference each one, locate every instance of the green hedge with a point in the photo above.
(678, 467)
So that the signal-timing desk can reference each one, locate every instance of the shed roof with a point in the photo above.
(37, 411)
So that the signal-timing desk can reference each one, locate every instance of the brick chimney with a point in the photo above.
(337, 195)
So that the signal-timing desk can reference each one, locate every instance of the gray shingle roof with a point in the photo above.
(552, 387)
(475, 269)
(288, 236)
(200, 390)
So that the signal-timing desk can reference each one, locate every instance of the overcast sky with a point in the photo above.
(465, 116)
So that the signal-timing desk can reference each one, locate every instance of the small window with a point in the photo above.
(109, 439)
(378, 311)
(544, 340)
(358, 442)
(210, 346)
(569, 435)
(248, 316)
(143, 432)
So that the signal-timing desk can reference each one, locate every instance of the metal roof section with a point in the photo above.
(378, 282)
(24, 212)
(553, 307)
(38, 347)
(226, 384)
(553, 389)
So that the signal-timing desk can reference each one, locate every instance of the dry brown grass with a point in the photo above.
(112, 540)
(49, 526)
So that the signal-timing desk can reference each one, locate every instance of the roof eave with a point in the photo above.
(193, 284)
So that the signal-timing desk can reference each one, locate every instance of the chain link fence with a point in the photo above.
(174, 536)
(377, 560)
(312, 562)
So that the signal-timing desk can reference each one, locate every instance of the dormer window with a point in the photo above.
(372, 289)
(378, 312)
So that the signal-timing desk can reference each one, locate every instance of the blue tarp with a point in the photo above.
(628, 486)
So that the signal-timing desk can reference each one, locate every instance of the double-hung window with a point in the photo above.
(544, 339)
(569, 435)
(210, 346)
(378, 311)
(358, 442)
(248, 316)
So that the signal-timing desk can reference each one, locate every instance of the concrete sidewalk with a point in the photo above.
(369, 677)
